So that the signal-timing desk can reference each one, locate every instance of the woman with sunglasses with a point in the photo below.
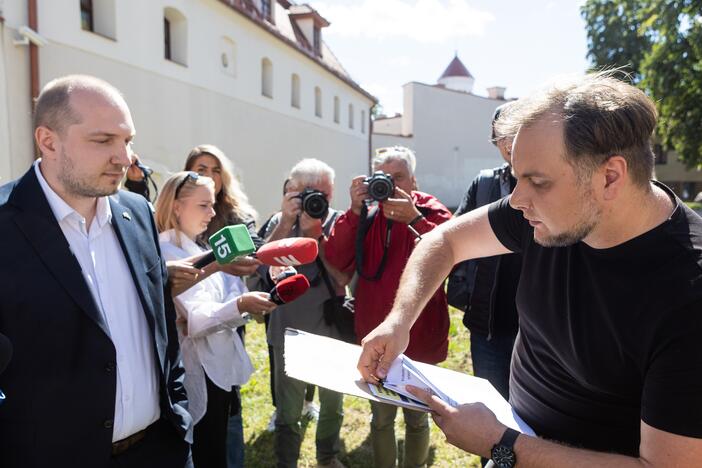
(231, 207)
(208, 315)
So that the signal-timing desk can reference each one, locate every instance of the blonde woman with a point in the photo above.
(231, 207)
(208, 315)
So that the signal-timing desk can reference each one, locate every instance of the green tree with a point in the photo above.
(660, 43)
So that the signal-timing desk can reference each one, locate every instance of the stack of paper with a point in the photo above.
(403, 372)
(331, 364)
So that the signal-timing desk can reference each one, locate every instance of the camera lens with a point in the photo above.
(315, 204)
(380, 186)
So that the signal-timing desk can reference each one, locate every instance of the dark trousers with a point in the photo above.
(210, 436)
(309, 391)
(162, 447)
(491, 360)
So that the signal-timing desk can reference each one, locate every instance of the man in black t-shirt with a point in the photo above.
(608, 361)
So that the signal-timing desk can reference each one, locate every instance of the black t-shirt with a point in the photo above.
(505, 322)
(608, 337)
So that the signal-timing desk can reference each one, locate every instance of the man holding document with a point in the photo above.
(607, 363)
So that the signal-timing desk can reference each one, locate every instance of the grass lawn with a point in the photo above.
(355, 433)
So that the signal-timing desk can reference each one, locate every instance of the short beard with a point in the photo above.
(591, 216)
(76, 186)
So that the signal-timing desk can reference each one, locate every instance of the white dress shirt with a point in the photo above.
(107, 274)
(209, 342)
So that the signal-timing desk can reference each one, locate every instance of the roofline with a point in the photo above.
(460, 92)
(298, 48)
(396, 135)
(318, 19)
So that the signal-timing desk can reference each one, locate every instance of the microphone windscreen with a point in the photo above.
(231, 242)
(293, 251)
(5, 352)
(291, 288)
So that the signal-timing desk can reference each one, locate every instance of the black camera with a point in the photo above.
(314, 203)
(380, 186)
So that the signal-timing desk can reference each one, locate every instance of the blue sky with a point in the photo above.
(518, 44)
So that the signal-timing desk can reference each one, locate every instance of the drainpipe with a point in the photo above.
(33, 60)
(370, 137)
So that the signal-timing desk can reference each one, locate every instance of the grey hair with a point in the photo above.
(395, 153)
(311, 171)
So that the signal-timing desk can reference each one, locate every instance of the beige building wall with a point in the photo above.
(450, 135)
(686, 183)
(176, 107)
(16, 147)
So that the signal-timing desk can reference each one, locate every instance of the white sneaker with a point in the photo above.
(310, 410)
(271, 423)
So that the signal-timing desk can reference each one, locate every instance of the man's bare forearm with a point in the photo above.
(539, 453)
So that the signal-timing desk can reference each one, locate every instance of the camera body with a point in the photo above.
(380, 186)
(314, 203)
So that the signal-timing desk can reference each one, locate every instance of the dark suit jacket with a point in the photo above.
(61, 382)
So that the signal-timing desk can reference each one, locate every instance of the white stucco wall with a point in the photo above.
(16, 147)
(176, 107)
(450, 137)
(389, 126)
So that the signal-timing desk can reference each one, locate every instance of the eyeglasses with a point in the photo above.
(194, 176)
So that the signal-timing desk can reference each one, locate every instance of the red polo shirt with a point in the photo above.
(429, 334)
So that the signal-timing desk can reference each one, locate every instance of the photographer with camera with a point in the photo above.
(305, 212)
(375, 238)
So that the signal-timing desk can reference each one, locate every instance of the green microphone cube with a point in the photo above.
(231, 242)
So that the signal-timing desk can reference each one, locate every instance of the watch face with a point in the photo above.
(503, 457)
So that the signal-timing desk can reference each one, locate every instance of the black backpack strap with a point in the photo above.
(366, 221)
(325, 276)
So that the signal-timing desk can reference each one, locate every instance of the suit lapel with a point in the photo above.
(36, 220)
(131, 238)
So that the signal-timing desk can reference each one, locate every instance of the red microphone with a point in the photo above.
(293, 251)
(289, 289)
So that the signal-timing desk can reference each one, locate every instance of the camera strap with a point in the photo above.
(367, 218)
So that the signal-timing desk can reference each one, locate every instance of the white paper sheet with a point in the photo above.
(332, 363)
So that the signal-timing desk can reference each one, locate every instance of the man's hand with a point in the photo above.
(358, 192)
(182, 275)
(471, 427)
(310, 227)
(277, 273)
(380, 348)
(400, 209)
(242, 266)
(134, 173)
(290, 208)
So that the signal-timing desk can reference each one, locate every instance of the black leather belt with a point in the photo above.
(123, 445)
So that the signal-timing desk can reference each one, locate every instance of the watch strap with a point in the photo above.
(508, 438)
(502, 453)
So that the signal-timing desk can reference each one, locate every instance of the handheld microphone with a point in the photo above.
(145, 169)
(289, 289)
(236, 240)
(293, 251)
(6, 351)
(227, 244)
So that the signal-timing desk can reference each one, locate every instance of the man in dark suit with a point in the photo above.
(96, 377)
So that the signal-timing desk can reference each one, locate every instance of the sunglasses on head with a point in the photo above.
(194, 176)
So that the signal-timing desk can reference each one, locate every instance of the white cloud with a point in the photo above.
(418, 20)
